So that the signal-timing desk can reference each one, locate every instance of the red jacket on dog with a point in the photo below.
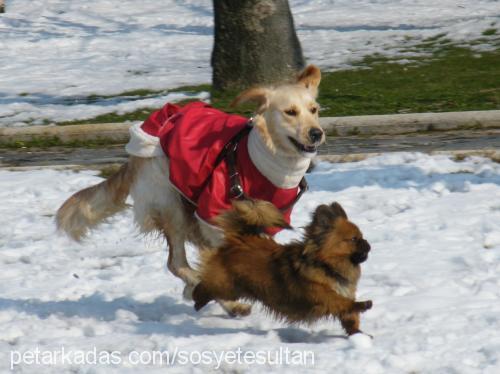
(193, 137)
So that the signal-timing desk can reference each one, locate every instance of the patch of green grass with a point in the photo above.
(451, 79)
(132, 93)
(109, 170)
(489, 32)
(193, 89)
(138, 115)
(56, 142)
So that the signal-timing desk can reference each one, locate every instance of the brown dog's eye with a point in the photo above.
(354, 240)
(291, 112)
(314, 110)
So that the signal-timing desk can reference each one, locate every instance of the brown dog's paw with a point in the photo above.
(362, 306)
(235, 308)
(242, 310)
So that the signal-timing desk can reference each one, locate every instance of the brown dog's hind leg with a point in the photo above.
(235, 308)
(201, 296)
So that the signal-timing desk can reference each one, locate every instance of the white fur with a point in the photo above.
(141, 144)
(152, 192)
(155, 196)
(210, 232)
(283, 171)
(345, 291)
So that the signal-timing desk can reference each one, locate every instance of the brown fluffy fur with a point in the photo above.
(302, 281)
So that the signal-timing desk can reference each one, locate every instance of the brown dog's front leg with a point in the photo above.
(350, 323)
(338, 305)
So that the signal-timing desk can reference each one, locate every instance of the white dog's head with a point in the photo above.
(287, 115)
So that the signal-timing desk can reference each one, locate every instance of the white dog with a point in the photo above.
(176, 190)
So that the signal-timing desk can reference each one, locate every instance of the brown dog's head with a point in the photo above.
(287, 115)
(334, 236)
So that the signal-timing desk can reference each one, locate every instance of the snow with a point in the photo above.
(433, 275)
(55, 54)
(433, 222)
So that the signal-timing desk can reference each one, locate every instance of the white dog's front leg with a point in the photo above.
(177, 262)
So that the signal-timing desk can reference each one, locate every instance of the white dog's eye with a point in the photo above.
(291, 112)
(313, 110)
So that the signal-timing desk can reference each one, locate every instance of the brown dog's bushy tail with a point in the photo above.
(90, 206)
(250, 217)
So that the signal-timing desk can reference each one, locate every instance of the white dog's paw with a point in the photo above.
(187, 293)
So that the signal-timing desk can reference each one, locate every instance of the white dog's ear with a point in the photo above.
(258, 95)
(310, 78)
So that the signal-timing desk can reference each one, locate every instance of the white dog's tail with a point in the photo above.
(90, 206)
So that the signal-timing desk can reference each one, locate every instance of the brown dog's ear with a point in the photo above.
(323, 217)
(337, 210)
(310, 78)
(321, 224)
(258, 95)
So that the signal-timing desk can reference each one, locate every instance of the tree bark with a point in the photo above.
(255, 43)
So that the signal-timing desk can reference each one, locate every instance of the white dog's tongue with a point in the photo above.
(283, 172)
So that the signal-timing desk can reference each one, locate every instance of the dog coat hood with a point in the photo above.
(193, 137)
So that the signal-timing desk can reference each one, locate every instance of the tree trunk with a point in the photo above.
(255, 43)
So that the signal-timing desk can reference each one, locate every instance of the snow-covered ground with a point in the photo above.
(433, 275)
(433, 223)
(54, 54)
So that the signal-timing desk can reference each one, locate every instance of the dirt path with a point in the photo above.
(335, 146)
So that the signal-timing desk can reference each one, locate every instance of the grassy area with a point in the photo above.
(448, 77)
(56, 142)
(139, 114)
(451, 79)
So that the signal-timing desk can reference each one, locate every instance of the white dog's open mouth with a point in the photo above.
(302, 147)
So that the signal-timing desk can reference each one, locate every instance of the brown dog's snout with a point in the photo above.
(361, 253)
(364, 246)
(315, 134)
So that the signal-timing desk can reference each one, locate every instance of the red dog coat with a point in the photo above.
(193, 137)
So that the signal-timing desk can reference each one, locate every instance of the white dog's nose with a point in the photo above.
(315, 134)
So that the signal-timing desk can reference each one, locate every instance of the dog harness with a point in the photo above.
(209, 161)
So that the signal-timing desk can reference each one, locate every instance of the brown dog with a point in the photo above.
(302, 281)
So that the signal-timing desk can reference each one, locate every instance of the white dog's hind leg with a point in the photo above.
(158, 207)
